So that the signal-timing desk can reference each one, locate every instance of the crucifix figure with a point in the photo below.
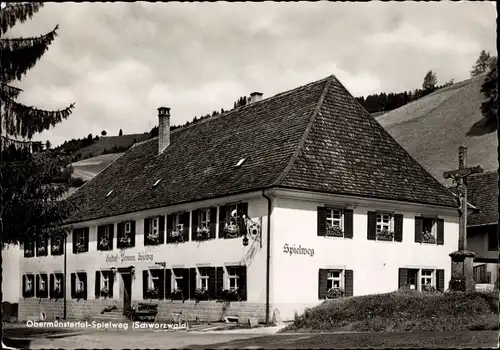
(462, 260)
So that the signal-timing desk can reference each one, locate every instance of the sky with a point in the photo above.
(119, 62)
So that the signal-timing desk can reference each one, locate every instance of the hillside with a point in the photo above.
(432, 128)
(111, 144)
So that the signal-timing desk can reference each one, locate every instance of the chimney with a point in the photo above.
(163, 128)
(255, 97)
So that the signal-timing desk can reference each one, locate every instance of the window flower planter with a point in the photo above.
(232, 229)
(104, 243)
(125, 241)
(176, 236)
(41, 250)
(335, 293)
(56, 248)
(152, 293)
(177, 294)
(385, 235)
(80, 248)
(28, 252)
(203, 233)
(153, 238)
(79, 294)
(200, 294)
(334, 231)
(427, 237)
(230, 295)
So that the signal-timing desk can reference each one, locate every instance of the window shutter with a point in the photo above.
(242, 291)
(322, 283)
(132, 233)
(321, 221)
(349, 283)
(170, 225)
(32, 289)
(37, 286)
(348, 223)
(440, 280)
(161, 280)
(192, 282)
(418, 229)
(24, 287)
(147, 227)
(87, 237)
(194, 224)
(161, 234)
(398, 227)
(51, 287)
(97, 284)
(119, 234)
(372, 226)
(222, 220)
(168, 283)
(73, 285)
(403, 277)
(219, 281)
(213, 221)
(46, 279)
(242, 210)
(145, 276)
(74, 241)
(211, 282)
(185, 283)
(440, 231)
(100, 234)
(111, 235)
(111, 277)
(85, 285)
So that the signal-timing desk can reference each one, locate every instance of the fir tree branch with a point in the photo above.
(21, 54)
(14, 12)
(8, 92)
(23, 121)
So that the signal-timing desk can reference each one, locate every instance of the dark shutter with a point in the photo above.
(219, 281)
(24, 287)
(212, 291)
(194, 224)
(440, 231)
(440, 280)
(132, 233)
(372, 226)
(83, 276)
(170, 225)
(192, 282)
(161, 281)
(37, 286)
(161, 234)
(213, 221)
(111, 277)
(86, 230)
(98, 284)
(145, 274)
(321, 221)
(51, 287)
(185, 283)
(46, 279)
(222, 220)
(119, 234)
(73, 285)
(242, 290)
(32, 289)
(403, 278)
(398, 228)
(74, 241)
(348, 223)
(418, 229)
(242, 210)
(349, 283)
(147, 227)
(185, 225)
(111, 230)
(100, 234)
(168, 283)
(322, 283)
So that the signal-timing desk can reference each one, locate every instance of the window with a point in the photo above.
(80, 283)
(203, 278)
(177, 279)
(128, 227)
(205, 218)
(30, 283)
(42, 283)
(334, 218)
(29, 249)
(57, 245)
(58, 282)
(154, 280)
(80, 240)
(429, 230)
(334, 279)
(426, 279)
(154, 226)
(231, 210)
(41, 246)
(233, 277)
(105, 280)
(383, 222)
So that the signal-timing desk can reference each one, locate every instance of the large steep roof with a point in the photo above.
(316, 137)
(482, 192)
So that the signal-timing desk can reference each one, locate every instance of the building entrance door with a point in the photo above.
(127, 290)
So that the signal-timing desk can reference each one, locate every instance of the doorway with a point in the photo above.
(127, 290)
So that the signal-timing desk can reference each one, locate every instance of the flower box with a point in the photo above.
(28, 252)
(104, 243)
(152, 293)
(56, 248)
(427, 237)
(335, 293)
(230, 295)
(125, 241)
(385, 235)
(200, 294)
(153, 238)
(427, 288)
(79, 294)
(177, 294)
(41, 250)
(203, 233)
(176, 236)
(334, 231)
(80, 248)
(232, 230)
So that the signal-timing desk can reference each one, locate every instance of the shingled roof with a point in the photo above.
(316, 137)
(482, 191)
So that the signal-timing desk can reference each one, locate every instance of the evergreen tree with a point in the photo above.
(48, 145)
(120, 133)
(32, 181)
(430, 82)
(482, 64)
(489, 108)
(103, 133)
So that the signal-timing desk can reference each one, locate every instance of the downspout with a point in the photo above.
(268, 257)
(65, 277)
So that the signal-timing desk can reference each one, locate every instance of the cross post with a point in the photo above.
(462, 261)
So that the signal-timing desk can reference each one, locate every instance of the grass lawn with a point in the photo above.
(402, 312)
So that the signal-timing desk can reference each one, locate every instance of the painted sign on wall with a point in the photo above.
(122, 257)
(292, 249)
